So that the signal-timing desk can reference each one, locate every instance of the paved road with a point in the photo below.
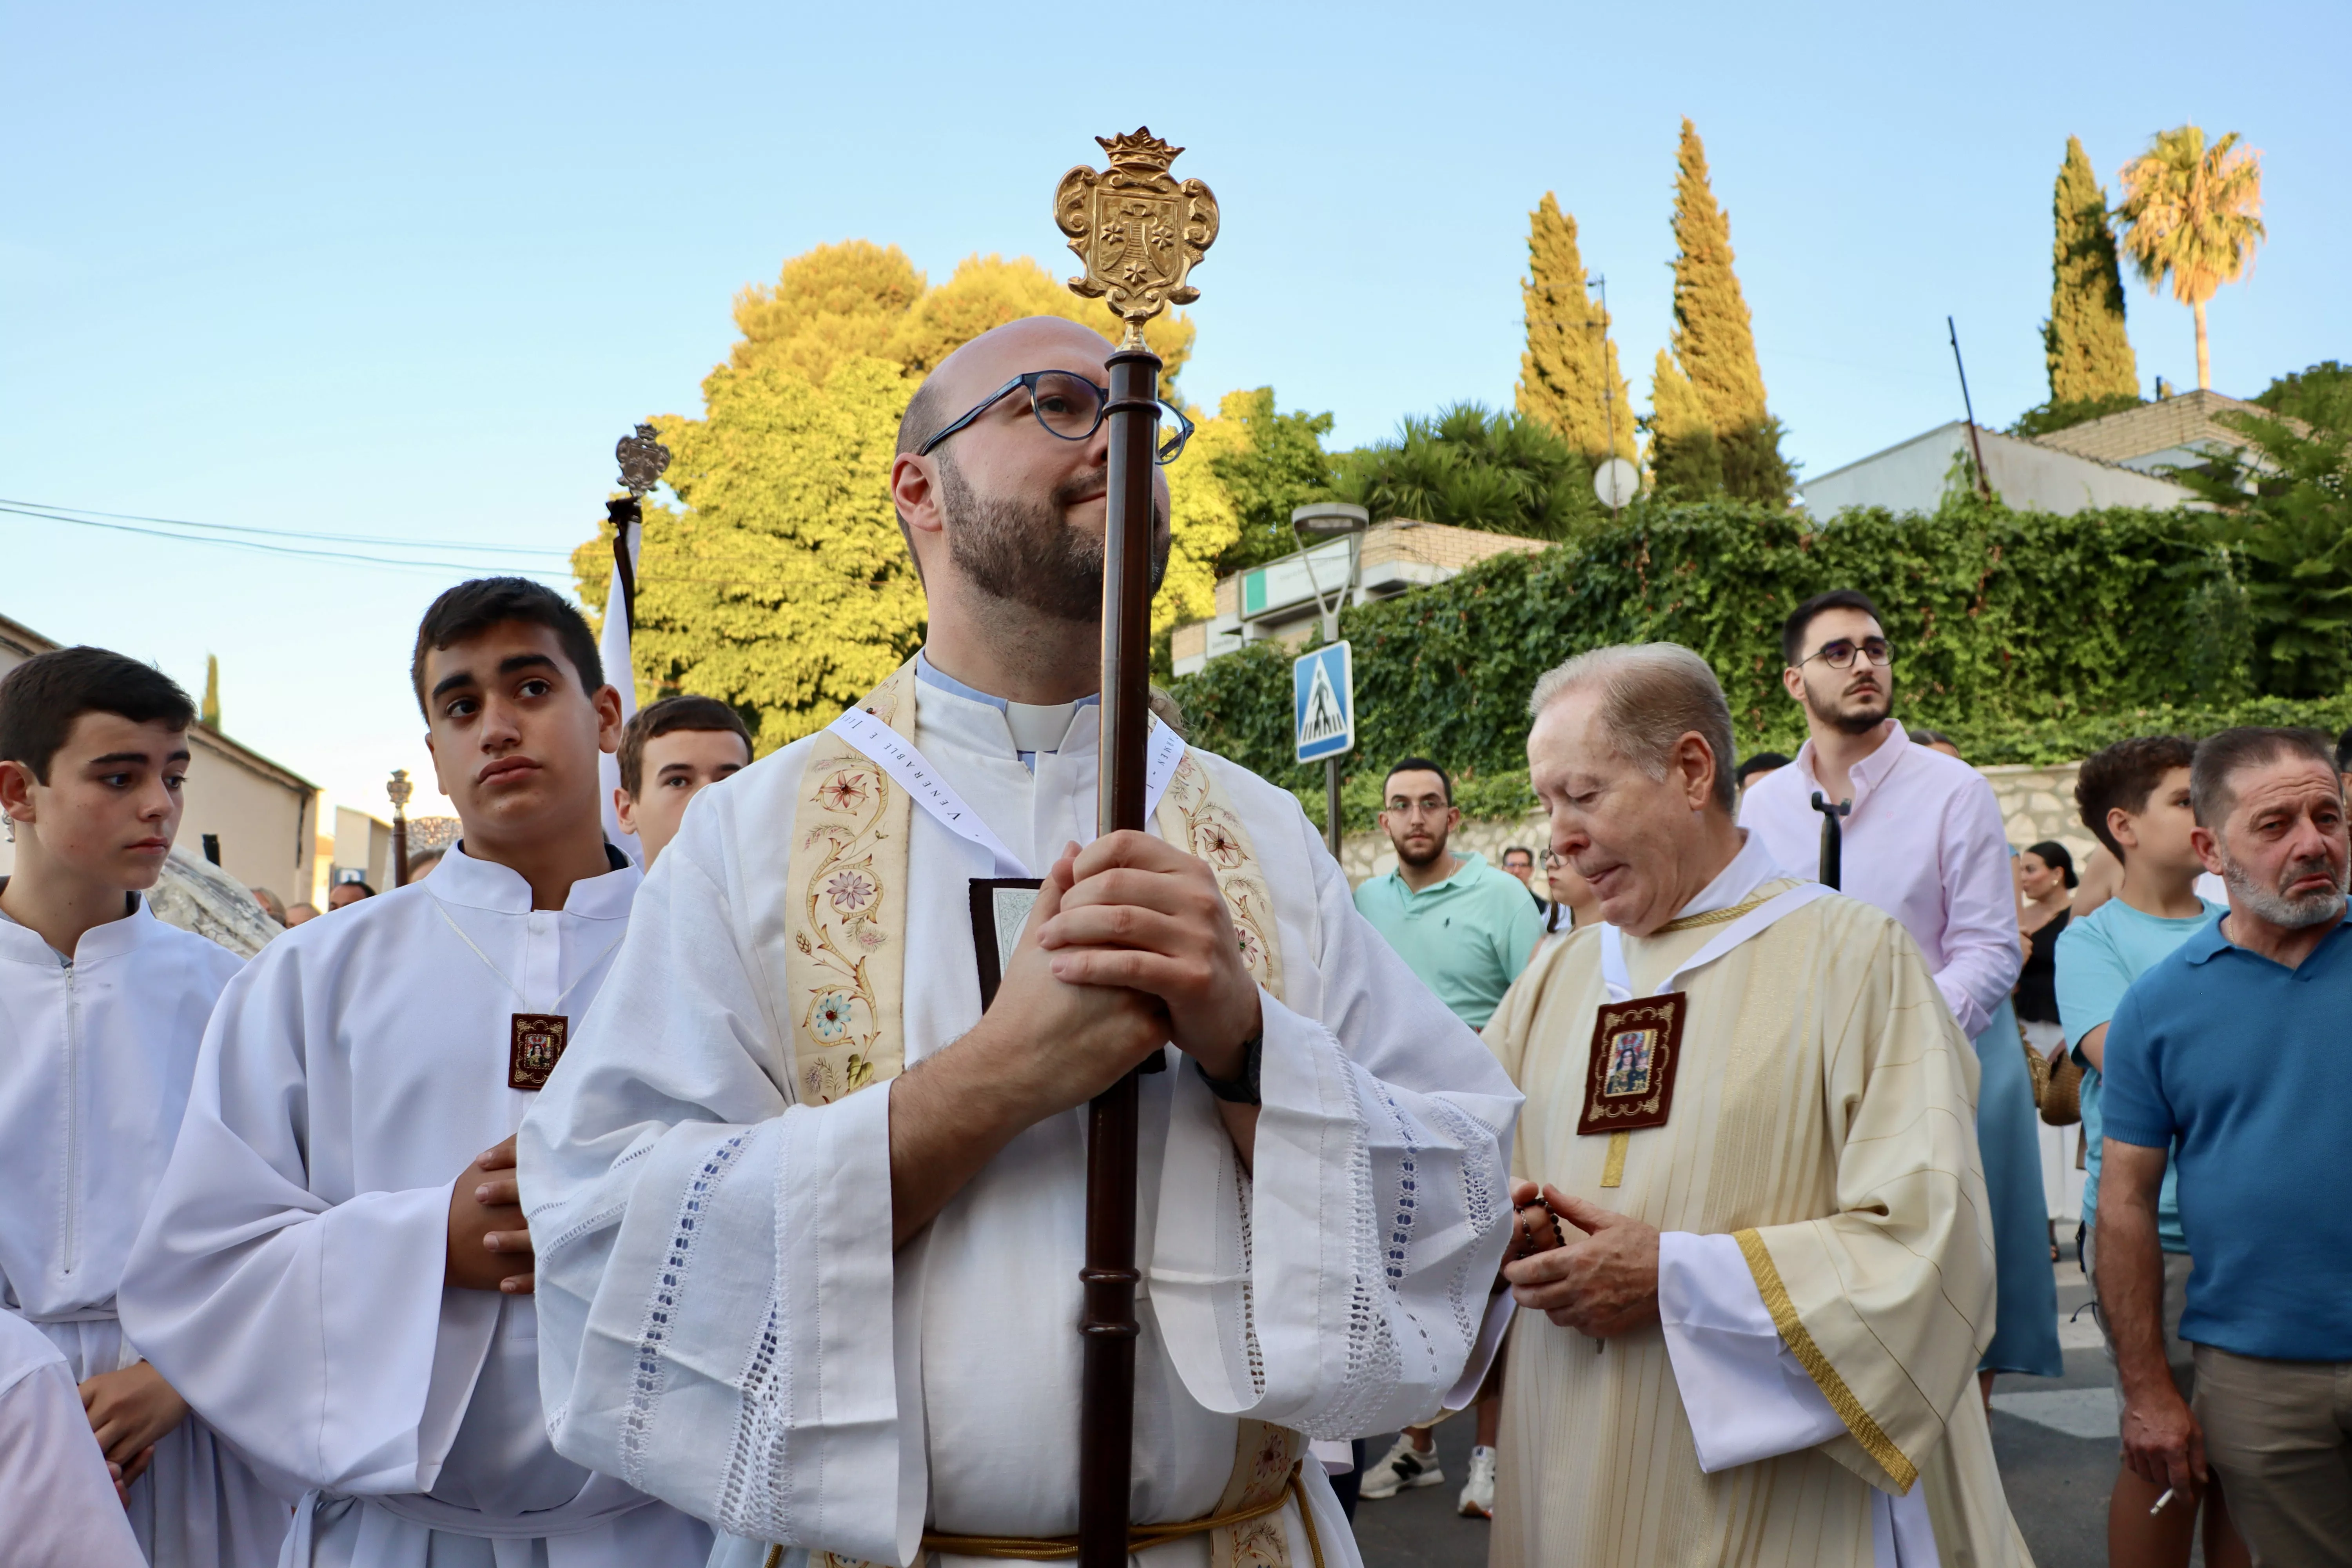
(2054, 1438)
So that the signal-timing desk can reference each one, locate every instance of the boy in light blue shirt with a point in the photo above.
(2135, 797)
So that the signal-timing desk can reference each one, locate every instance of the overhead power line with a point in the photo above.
(468, 545)
(355, 558)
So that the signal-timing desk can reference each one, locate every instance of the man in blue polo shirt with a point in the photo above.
(2232, 1051)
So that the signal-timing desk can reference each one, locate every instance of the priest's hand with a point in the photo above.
(129, 1412)
(1144, 914)
(1603, 1283)
(490, 1242)
(1533, 1230)
(1044, 1045)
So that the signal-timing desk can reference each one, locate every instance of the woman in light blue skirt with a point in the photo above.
(2025, 1332)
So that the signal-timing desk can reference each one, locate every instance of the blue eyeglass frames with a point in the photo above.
(1070, 407)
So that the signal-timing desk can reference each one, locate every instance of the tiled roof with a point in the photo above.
(2185, 420)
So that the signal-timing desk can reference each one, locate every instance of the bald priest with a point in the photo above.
(809, 1195)
(1754, 1340)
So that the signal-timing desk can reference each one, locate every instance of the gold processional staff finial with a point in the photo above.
(1138, 230)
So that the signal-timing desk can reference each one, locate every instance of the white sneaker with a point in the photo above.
(1478, 1491)
(1404, 1467)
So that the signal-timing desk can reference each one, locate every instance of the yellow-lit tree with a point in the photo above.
(2193, 214)
(783, 586)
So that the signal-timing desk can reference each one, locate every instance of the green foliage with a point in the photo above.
(785, 587)
(2089, 356)
(2292, 537)
(2320, 395)
(2020, 633)
(1686, 463)
(1569, 377)
(1278, 463)
(1713, 342)
(2044, 418)
(209, 712)
(1501, 473)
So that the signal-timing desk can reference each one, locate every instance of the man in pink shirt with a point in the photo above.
(1924, 842)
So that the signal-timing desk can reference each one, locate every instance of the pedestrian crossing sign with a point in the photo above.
(1323, 702)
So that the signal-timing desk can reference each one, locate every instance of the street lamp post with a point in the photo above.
(1314, 522)
(399, 790)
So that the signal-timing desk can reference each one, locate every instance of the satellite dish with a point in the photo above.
(1616, 482)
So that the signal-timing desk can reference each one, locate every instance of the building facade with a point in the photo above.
(1278, 600)
(255, 819)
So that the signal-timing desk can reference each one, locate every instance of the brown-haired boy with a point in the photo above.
(337, 1268)
(670, 752)
(102, 1008)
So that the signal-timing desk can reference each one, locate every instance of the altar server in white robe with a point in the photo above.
(335, 1271)
(102, 1009)
(1751, 1109)
(831, 1305)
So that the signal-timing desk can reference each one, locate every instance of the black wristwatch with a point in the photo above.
(1242, 1091)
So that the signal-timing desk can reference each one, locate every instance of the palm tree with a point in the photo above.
(2192, 213)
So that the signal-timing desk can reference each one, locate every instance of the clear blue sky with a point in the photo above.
(412, 270)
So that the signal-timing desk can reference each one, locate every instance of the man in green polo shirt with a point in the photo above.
(1466, 928)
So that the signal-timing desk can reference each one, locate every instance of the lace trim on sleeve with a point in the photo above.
(651, 1376)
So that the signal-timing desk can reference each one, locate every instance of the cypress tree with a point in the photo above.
(1686, 463)
(210, 712)
(2089, 355)
(1714, 343)
(1569, 356)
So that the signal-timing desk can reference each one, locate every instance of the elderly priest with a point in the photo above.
(1753, 1336)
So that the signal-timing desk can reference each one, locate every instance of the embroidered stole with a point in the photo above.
(845, 978)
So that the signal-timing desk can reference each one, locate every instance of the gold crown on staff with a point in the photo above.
(1138, 230)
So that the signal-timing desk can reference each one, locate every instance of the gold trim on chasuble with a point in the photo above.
(846, 969)
(1850, 1410)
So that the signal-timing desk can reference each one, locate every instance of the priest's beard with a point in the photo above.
(1867, 713)
(2275, 907)
(1026, 553)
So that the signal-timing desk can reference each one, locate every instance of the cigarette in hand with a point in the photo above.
(2160, 1502)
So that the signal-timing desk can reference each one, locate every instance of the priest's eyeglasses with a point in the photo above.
(1839, 652)
(1071, 408)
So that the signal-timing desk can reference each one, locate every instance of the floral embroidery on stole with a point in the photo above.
(845, 971)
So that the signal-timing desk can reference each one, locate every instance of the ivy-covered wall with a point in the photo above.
(2028, 637)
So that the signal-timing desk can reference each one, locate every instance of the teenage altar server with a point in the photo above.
(812, 1215)
(335, 1270)
(1745, 1099)
(102, 1009)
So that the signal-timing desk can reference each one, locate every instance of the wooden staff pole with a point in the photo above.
(1139, 231)
(1107, 1408)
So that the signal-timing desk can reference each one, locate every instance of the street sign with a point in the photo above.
(1323, 702)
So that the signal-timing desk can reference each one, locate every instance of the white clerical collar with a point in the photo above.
(462, 879)
(1034, 727)
(1749, 869)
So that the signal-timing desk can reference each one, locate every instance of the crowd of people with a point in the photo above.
(552, 1208)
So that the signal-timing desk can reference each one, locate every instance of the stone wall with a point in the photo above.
(2036, 803)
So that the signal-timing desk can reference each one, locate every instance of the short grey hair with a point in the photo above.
(2224, 754)
(1652, 695)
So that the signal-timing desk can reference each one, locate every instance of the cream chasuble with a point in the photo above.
(724, 1320)
(1823, 1126)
